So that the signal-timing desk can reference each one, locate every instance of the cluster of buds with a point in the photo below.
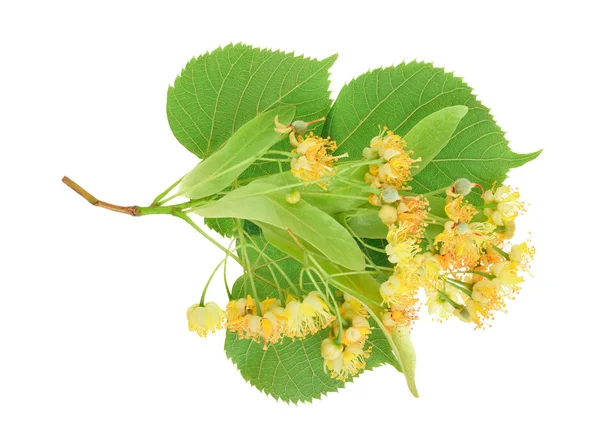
(344, 353)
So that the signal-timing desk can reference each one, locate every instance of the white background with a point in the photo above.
(93, 336)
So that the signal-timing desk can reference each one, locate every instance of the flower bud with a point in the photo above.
(330, 350)
(390, 194)
(293, 196)
(300, 127)
(352, 335)
(488, 196)
(388, 214)
(462, 186)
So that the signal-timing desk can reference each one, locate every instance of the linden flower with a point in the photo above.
(306, 317)
(428, 269)
(242, 318)
(460, 211)
(352, 308)
(438, 302)
(412, 212)
(506, 273)
(236, 309)
(343, 361)
(396, 171)
(400, 296)
(315, 161)
(205, 319)
(400, 246)
(357, 332)
(462, 244)
(393, 318)
(522, 254)
(393, 288)
(487, 292)
(486, 299)
(502, 205)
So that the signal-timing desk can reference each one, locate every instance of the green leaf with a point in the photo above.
(248, 143)
(264, 202)
(428, 137)
(218, 92)
(399, 97)
(292, 370)
(223, 226)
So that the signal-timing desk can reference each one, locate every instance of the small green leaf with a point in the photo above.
(428, 137)
(223, 226)
(248, 143)
(367, 224)
(264, 202)
(408, 358)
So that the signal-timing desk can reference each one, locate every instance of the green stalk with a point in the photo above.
(210, 278)
(501, 252)
(247, 266)
(188, 220)
(459, 287)
(165, 193)
(333, 301)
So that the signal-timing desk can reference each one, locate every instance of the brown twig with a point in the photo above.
(128, 210)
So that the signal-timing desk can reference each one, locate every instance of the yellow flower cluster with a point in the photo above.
(296, 320)
(348, 358)
(469, 270)
(243, 317)
(462, 241)
(406, 221)
(396, 169)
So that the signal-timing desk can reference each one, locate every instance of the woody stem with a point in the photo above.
(128, 210)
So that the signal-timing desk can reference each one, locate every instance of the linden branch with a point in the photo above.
(128, 210)
(175, 210)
